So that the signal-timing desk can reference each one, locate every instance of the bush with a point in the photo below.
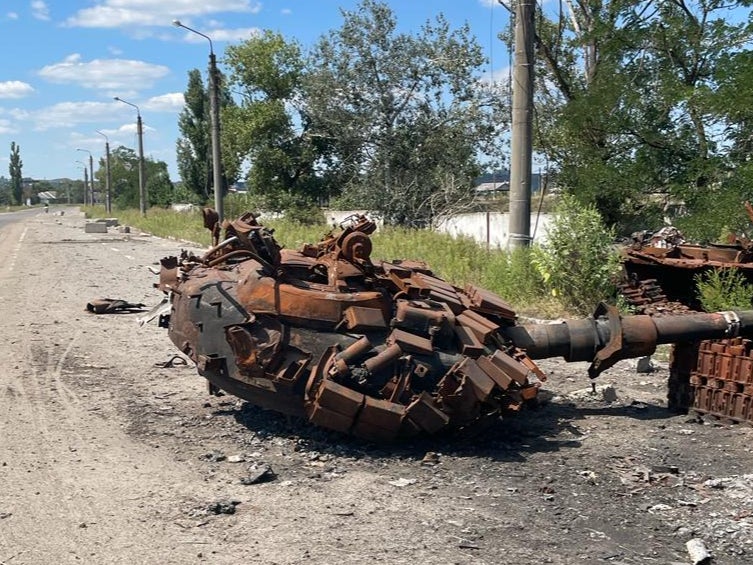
(513, 276)
(723, 289)
(579, 262)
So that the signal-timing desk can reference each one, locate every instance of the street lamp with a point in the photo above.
(142, 180)
(86, 178)
(91, 181)
(108, 176)
(214, 111)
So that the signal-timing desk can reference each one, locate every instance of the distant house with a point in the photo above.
(47, 197)
(490, 185)
(489, 189)
(239, 186)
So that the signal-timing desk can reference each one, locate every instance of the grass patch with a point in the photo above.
(460, 261)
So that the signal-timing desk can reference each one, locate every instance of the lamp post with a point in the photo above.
(86, 178)
(142, 180)
(214, 111)
(108, 176)
(91, 181)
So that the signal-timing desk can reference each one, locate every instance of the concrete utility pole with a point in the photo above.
(90, 199)
(86, 183)
(142, 174)
(214, 112)
(522, 119)
(108, 175)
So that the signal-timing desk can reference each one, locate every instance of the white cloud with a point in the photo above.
(110, 75)
(70, 114)
(125, 13)
(500, 77)
(40, 10)
(132, 129)
(15, 89)
(238, 34)
(286, 11)
(170, 102)
(7, 127)
(12, 15)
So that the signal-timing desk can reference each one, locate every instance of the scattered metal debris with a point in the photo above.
(113, 306)
(259, 473)
(173, 361)
(223, 507)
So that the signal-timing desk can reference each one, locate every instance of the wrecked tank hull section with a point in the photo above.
(379, 350)
(708, 376)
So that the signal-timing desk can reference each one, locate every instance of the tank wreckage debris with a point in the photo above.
(707, 376)
(379, 350)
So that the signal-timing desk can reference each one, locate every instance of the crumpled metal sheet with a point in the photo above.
(113, 306)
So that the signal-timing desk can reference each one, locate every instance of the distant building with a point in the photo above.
(239, 187)
(490, 185)
(489, 189)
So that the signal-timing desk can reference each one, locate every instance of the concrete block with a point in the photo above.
(95, 227)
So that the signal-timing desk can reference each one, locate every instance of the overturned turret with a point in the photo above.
(380, 350)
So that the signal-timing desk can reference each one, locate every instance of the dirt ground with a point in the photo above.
(109, 456)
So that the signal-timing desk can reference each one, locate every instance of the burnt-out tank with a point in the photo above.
(712, 376)
(380, 350)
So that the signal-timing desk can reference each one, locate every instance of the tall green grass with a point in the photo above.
(460, 261)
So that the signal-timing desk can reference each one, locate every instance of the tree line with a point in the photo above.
(641, 110)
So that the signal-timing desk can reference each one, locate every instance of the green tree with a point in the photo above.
(159, 188)
(16, 174)
(404, 115)
(269, 131)
(124, 169)
(625, 97)
(194, 147)
(578, 262)
(6, 192)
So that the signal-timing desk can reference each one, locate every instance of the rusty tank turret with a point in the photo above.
(380, 350)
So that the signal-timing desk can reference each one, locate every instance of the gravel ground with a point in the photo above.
(109, 454)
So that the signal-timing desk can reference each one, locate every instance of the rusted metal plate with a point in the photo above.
(340, 399)
(468, 342)
(425, 413)
(500, 377)
(410, 343)
(359, 319)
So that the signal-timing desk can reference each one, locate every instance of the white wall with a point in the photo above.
(490, 228)
(485, 227)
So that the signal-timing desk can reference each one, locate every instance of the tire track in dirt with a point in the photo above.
(75, 482)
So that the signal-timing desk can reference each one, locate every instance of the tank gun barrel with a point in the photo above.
(606, 337)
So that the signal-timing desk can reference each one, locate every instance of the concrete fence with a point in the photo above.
(487, 228)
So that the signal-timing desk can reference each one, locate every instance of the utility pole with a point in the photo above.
(86, 183)
(142, 174)
(108, 175)
(90, 198)
(214, 112)
(522, 119)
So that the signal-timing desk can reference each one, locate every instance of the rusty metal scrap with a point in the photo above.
(713, 377)
(380, 350)
(721, 383)
(112, 306)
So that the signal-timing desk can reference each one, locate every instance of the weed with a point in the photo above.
(723, 289)
(578, 263)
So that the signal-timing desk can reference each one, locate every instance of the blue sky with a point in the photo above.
(63, 62)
